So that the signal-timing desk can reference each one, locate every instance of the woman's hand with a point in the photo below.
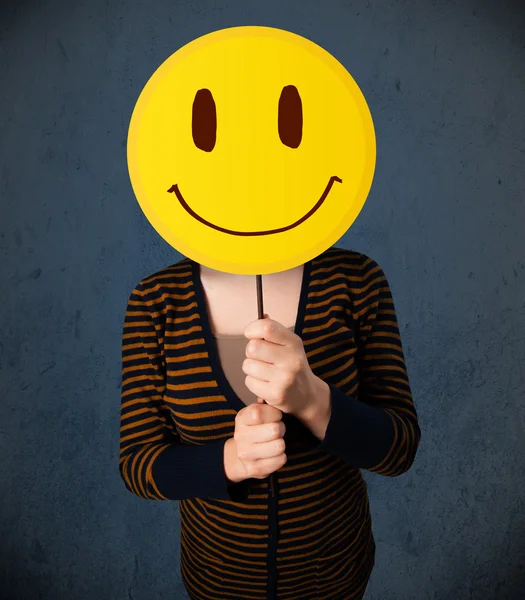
(277, 369)
(257, 447)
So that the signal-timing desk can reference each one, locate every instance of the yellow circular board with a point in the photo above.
(251, 150)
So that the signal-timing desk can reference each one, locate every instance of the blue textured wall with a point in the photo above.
(445, 82)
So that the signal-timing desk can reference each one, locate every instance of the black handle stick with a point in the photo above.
(260, 309)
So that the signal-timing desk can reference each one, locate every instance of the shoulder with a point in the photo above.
(163, 283)
(358, 268)
(365, 282)
(157, 292)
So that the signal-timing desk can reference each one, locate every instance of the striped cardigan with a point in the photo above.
(310, 537)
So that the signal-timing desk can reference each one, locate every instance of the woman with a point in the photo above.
(272, 500)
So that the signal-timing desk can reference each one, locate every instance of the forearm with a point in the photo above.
(364, 436)
(181, 471)
(360, 434)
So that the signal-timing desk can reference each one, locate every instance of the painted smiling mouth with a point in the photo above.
(175, 189)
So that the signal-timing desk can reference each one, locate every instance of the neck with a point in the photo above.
(213, 273)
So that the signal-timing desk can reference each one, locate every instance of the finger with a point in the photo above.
(268, 351)
(269, 414)
(270, 449)
(255, 414)
(261, 389)
(270, 330)
(265, 432)
(262, 450)
(258, 369)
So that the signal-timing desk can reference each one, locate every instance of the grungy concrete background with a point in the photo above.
(445, 82)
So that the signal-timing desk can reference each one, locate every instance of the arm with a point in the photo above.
(154, 463)
(378, 430)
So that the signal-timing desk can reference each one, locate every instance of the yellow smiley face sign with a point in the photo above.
(251, 150)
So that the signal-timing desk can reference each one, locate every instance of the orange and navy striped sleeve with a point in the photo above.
(378, 429)
(153, 462)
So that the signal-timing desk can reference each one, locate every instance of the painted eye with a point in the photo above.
(204, 120)
(290, 117)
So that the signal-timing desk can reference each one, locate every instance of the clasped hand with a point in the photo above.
(277, 368)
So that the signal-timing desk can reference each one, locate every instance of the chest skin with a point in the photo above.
(231, 300)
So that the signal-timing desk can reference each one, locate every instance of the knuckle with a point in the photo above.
(242, 453)
(289, 380)
(268, 328)
(255, 411)
(240, 417)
